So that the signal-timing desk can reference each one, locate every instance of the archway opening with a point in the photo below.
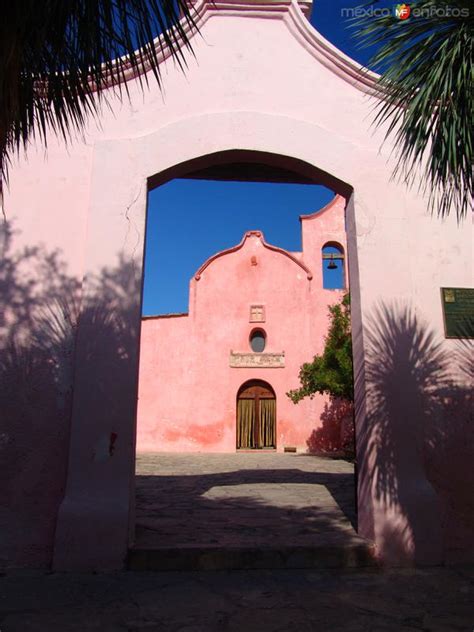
(252, 423)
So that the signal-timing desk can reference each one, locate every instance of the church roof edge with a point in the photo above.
(259, 235)
(329, 206)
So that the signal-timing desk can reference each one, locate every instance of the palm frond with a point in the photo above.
(57, 56)
(426, 65)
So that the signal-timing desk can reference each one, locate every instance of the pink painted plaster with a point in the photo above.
(187, 390)
(263, 85)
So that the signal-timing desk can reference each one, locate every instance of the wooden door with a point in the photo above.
(256, 416)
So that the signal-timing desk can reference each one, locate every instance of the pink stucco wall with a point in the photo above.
(265, 85)
(187, 390)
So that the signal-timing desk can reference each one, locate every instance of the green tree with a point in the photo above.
(57, 56)
(426, 65)
(330, 373)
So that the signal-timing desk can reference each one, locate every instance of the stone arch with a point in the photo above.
(124, 170)
(251, 165)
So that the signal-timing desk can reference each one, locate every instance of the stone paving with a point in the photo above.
(275, 496)
(429, 600)
(244, 499)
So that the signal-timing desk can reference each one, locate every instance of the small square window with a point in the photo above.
(257, 313)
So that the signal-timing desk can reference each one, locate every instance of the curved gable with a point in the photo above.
(293, 14)
(259, 235)
(332, 205)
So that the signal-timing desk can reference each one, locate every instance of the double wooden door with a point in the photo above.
(256, 416)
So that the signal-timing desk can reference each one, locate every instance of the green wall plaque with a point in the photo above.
(458, 311)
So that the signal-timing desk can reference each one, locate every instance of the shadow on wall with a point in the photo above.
(419, 439)
(336, 434)
(39, 313)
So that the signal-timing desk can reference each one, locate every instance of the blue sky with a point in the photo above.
(190, 220)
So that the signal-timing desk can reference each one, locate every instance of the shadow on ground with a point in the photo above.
(264, 507)
(252, 601)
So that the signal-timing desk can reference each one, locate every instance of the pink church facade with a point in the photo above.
(193, 366)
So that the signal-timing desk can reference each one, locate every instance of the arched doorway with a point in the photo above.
(256, 416)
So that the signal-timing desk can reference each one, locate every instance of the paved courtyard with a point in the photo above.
(241, 500)
(258, 500)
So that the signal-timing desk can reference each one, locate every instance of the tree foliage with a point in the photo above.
(427, 84)
(57, 56)
(330, 373)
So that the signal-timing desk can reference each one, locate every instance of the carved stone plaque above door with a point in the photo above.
(257, 360)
